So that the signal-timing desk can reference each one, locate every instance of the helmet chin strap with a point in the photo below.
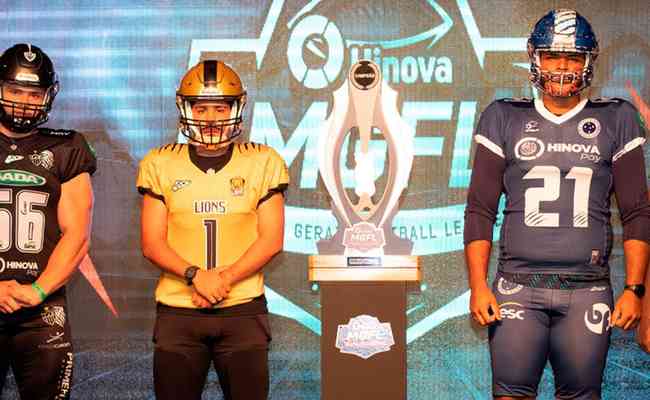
(11, 131)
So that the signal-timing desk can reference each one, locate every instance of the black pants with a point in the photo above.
(187, 342)
(36, 344)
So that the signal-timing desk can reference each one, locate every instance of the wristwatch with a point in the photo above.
(638, 290)
(190, 273)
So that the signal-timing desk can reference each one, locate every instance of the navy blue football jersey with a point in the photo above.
(32, 170)
(558, 181)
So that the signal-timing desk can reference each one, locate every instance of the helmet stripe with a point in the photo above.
(564, 29)
(210, 73)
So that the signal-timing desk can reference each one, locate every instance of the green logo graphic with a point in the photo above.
(15, 177)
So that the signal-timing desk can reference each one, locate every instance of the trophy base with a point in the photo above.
(323, 268)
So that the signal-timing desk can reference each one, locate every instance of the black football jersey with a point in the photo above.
(558, 181)
(32, 170)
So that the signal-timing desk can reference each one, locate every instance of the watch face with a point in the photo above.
(638, 290)
(190, 272)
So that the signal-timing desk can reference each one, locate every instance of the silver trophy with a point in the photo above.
(365, 237)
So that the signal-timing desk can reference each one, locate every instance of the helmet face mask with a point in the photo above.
(562, 32)
(213, 84)
(563, 74)
(24, 116)
(28, 86)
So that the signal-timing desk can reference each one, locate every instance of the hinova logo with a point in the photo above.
(16, 177)
(530, 148)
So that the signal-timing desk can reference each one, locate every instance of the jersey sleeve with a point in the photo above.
(630, 133)
(483, 195)
(489, 131)
(148, 181)
(80, 158)
(632, 195)
(276, 177)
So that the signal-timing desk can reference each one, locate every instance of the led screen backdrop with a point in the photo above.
(119, 64)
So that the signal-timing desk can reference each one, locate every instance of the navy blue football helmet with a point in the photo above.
(562, 31)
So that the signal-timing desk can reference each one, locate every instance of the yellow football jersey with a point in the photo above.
(212, 217)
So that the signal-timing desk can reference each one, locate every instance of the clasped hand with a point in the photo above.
(211, 287)
(14, 296)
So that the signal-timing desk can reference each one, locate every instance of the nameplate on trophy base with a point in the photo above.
(329, 268)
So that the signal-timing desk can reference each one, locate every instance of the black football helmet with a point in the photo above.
(26, 66)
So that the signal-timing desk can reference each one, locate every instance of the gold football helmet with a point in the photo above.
(210, 81)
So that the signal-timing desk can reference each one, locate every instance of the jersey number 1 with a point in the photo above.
(551, 192)
(211, 235)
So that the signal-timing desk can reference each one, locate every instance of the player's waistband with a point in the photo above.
(554, 281)
(254, 307)
(56, 298)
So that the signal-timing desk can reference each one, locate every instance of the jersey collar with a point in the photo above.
(559, 119)
(215, 164)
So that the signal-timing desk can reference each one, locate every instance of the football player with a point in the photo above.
(212, 217)
(45, 216)
(557, 159)
(643, 334)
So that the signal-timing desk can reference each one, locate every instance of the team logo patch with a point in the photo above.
(364, 336)
(529, 148)
(589, 128)
(16, 177)
(531, 127)
(53, 315)
(44, 159)
(598, 320)
(13, 158)
(508, 288)
(237, 186)
(180, 184)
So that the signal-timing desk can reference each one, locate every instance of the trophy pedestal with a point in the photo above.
(348, 376)
(376, 291)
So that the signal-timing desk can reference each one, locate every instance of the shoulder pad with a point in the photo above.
(518, 100)
(250, 147)
(57, 132)
(171, 148)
